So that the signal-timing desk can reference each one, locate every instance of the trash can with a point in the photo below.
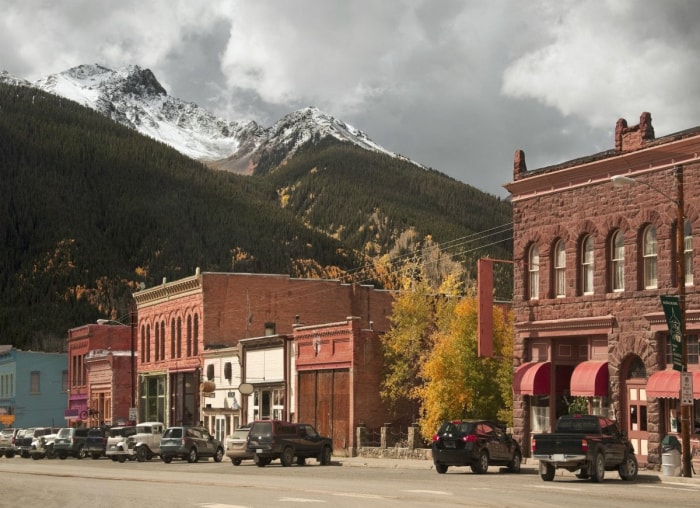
(671, 456)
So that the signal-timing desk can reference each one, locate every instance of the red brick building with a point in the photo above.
(99, 373)
(178, 320)
(339, 371)
(591, 261)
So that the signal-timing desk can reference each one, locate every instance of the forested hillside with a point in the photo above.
(90, 209)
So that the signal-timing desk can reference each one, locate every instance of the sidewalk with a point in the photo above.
(528, 466)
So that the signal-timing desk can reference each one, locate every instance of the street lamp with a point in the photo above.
(680, 282)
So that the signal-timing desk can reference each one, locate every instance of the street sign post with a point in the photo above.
(672, 311)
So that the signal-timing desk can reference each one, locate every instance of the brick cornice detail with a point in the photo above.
(575, 326)
(165, 292)
(657, 320)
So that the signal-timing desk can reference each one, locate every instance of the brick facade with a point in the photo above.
(574, 200)
(99, 373)
(178, 320)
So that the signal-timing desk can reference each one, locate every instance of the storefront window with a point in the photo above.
(539, 413)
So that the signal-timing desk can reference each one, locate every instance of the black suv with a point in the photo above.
(70, 441)
(96, 442)
(273, 439)
(475, 443)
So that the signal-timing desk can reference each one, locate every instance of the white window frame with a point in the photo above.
(587, 265)
(617, 261)
(650, 258)
(560, 269)
(533, 267)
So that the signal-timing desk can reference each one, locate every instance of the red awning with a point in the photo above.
(590, 379)
(667, 383)
(532, 378)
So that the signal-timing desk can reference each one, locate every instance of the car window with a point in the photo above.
(64, 433)
(262, 429)
(240, 433)
(310, 431)
(96, 433)
(173, 433)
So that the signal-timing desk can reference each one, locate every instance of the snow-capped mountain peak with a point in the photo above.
(133, 96)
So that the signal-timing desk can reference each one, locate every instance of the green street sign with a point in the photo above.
(672, 310)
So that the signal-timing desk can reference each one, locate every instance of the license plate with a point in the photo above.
(449, 444)
(258, 450)
(558, 457)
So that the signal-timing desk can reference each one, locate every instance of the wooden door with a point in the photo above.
(636, 417)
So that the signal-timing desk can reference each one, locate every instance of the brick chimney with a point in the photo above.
(628, 139)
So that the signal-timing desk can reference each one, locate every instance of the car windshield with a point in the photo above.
(96, 432)
(240, 433)
(64, 432)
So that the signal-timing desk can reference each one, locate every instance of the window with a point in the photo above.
(534, 272)
(172, 338)
(587, 265)
(560, 270)
(227, 370)
(210, 372)
(617, 261)
(688, 252)
(692, 349)
(649, 255)
(34, 385)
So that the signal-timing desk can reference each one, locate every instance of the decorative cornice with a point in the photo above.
(166, 291)
(573, 326)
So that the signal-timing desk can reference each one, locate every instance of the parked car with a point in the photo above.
(116, 443)
(70, 441)
(43, 446)
(475, 443)
(24, 439)
(236, 445)
(7, 442)
(144, 444)
(273, 439)
(96, 442)
(190, 444)
(589, 444)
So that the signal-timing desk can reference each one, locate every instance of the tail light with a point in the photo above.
(584, 445)
(534, 445)
(469, 438)
(436, 438)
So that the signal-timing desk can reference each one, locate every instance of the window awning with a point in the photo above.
(667, 383)
(532, 378)
(590, 379)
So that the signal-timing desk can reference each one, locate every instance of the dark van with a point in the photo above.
(273, 439)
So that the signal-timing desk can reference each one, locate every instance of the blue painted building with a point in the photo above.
(33, 388)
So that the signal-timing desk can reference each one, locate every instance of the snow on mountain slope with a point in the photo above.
(133, 96)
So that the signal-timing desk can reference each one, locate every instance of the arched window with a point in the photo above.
(195, 342)
(157, 350)
(649, 255)
(534, 272)
(178, 346)
(587, 265)
(617, 261)
(162, 340)
(189, 336)
(688, 252)
(148, 343)
(143, 343)
(560, 269)
(172, 338)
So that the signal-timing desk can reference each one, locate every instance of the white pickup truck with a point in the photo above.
(143, 445)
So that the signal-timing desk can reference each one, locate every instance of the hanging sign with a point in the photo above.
(672, 310)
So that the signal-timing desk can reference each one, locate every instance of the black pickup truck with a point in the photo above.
(588, 444)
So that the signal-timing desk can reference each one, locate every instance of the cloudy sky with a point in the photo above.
(457, 85)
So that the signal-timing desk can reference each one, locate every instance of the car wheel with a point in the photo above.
(219, 455)
(481, 466)
(114, 458)
(192, 457)
(547, 471)
(440, 468)
(514, 466)
(62, 455)
(236, 462)
(326, 456)
(598, 469)
(141, 454)
(287, 456)
(167, 460)
(9, 455)
(81, 453)
(121, 459)
(259, 461)
(629, 468)
(37, 456)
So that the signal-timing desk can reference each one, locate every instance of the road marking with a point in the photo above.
(436, 492)
(363, 496)
(300, 500)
